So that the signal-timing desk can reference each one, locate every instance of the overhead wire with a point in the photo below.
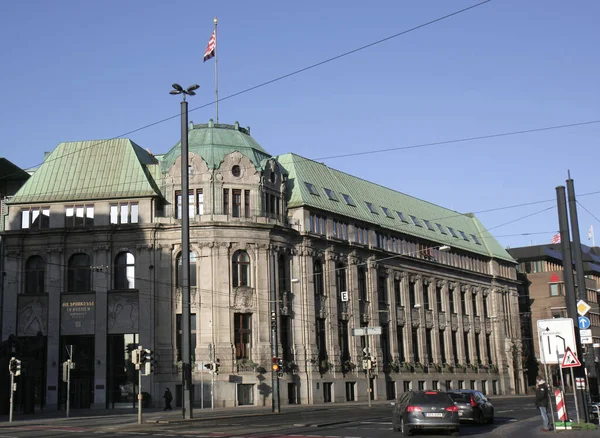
(296, 72)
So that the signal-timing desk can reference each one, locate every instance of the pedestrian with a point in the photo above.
(168, 397)
(542, 401)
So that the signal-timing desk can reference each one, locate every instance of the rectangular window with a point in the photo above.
(179, 203)
(475, 239)
(452, 232)
(428, 225)
(331, 194)
(127, 213)
(361, 235)
(402, 217)
(416, 221)
(226, 201)
(178, 341)
(237, 203)
(340, 230)
(36, 217)
(79, 216)
(441, 228)
(246, 203)
(348, 200)
(387, 212)
(200, 202)
(371, 207)
(317, 224)
(242, 333)
(555, 289)
(311, 189)
(464, 236)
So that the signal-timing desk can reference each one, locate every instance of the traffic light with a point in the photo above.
(14, 366)
(143, 355)
(217, 365)
(275, 363)
(148, 362)
(208, 366)
(65, 371)
(135, 357)
(373, 362)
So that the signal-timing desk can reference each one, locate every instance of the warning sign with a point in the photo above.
(570, 360)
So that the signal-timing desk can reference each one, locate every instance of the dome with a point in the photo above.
(214, 141)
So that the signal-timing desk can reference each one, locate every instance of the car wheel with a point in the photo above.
(491, 419)
(404, 429)
(480, 418)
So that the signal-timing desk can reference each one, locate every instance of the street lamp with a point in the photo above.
(186, 341)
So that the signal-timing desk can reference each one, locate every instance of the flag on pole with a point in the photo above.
(556, 238)
(212, 47)
(591, 232)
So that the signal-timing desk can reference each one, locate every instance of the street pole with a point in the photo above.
(140, 394)
(12, 396)
(562, 376)
(186, 344)
(202, 387)
(68, 386)
(565, 240)
(368, 370)
(212, 388)
(273, 306)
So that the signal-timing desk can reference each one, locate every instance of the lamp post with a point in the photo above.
(186, 341)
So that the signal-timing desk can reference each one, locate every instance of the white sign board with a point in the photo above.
(344, 296)
(362, 331)
(549, 342)
(586, 339)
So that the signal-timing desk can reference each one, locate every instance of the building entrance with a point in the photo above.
(121, 375)
(82, 376)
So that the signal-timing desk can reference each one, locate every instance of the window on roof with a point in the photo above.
(429, 225)
(452, 232)
(348, 200)
(402, 217)
(464, 236)
(311, 189)
(387, 212)
(371, 208)
(331, 194)
(475, 239)
(441, 228)
(416, 221)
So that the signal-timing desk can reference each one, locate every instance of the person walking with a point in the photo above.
(168, 397)
(542, 401)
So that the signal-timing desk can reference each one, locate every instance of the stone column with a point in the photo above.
(372, 266)
(392, 323)
(435, 338)
(462, 354)
(55, 276)
(101, 282)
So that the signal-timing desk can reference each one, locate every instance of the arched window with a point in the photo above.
(240, 268)
(318, 276)
(192, 270)
(35, 273)
(124, 271)
(79, 277)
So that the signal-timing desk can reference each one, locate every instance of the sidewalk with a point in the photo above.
(531, 427)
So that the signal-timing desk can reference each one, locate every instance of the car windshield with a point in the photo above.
(460, 397)
(432, 398)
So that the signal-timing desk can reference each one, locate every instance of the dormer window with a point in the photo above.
(372, 208)
(236, 171)
(331, 194)
(311, 189)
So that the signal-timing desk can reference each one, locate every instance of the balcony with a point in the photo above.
(428, 318)
(477, 324)
(442, 320)
(400, 316)
(466, 323)
(321, 306)
(415, 316)
(454, 322)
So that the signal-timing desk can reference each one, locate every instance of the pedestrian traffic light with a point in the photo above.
(217, 365)
(275, 363)
(14, 366)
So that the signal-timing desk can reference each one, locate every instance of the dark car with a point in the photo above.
(473, 406)
(425, 410)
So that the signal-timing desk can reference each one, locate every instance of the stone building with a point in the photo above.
(93, 255)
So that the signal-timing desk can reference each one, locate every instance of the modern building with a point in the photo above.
(93, 258)
(543, 296)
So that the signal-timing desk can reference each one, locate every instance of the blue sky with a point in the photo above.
(76, 70)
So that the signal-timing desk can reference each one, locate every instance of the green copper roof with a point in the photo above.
(214, 141)
(302, 171)
(83, 170)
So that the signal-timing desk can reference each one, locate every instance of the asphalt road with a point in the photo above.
(342, 421)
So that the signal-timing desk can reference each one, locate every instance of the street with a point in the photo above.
(347, 420)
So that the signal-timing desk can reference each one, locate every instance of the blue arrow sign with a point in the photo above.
(584, 322)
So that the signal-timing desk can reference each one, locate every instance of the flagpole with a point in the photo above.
(216, 72)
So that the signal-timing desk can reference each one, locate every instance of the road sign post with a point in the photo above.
(366, 332)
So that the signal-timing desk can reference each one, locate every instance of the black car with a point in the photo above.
(473, 406)
(425, 410)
